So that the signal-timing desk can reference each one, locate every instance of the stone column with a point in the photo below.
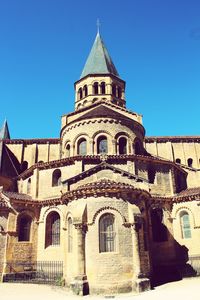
(136, 255)
(109, 89)
(91, 147)
(80, 284)
(140, 282)
(114, 147)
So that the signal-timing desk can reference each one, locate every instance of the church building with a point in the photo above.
(116, 210)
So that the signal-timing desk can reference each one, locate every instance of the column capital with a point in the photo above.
(81, 226)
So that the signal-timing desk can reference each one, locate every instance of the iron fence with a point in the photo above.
(45, 272)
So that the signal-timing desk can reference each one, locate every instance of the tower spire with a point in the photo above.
(99, 60)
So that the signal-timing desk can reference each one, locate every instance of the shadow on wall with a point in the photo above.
(165, 268)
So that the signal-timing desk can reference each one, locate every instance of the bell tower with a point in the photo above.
(99, 79)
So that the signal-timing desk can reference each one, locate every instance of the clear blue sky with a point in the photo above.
(155, 45)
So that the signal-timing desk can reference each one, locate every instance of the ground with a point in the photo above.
(184, 290)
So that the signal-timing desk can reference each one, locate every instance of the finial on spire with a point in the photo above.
(98, 25)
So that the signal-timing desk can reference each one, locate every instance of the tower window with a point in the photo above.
(24, 228)
(107, 235)
(80, 94)
(102, 145)
(190, 161)
(103, 88)
(185, 225)
(85, 91)
(95, 88)
(119, 92)
(52, 229)
(68, 150)
(122, 145)
(82, 147)
(56, 177)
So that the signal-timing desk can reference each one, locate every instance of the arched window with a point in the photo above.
(24, 166)
(178, 161)
(85, 91)
(103, 88)
(102, 145)
(80, 94)
(190, 161)
(29, 186)
(82, 147)
(113, 89)
(159, 230)
(56, 177)
(107, 234)
(185, 225)
(52, 237)
(119, 90)
(68, 150)
(24, 228)
(70, 235)
(95, 88)
(122, 145)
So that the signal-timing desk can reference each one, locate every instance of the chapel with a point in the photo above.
(103, 207)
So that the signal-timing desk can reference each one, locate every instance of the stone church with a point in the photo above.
(119, 209)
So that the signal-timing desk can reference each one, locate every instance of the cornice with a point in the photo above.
(95, 159)
(32, 141)
(163, 139)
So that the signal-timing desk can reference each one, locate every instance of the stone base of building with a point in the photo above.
(80, 285)
(112, 288)
(141, 285)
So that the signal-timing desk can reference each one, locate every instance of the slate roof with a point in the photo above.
(99, 60)
(105, 184)
(14, 195)
(190, 191)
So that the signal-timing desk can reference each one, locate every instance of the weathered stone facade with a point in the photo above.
(114, 206)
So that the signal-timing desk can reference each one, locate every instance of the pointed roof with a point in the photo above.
(99, 60)
(4, 131)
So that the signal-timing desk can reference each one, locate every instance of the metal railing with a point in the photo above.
(45, 272)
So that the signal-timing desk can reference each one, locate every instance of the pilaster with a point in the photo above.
(80, 284)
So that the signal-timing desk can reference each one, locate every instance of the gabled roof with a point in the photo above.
(103, 166)
(105, 112)
(4, 131)
(99, 60)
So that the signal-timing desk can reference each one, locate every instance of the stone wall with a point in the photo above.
(178, 149)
